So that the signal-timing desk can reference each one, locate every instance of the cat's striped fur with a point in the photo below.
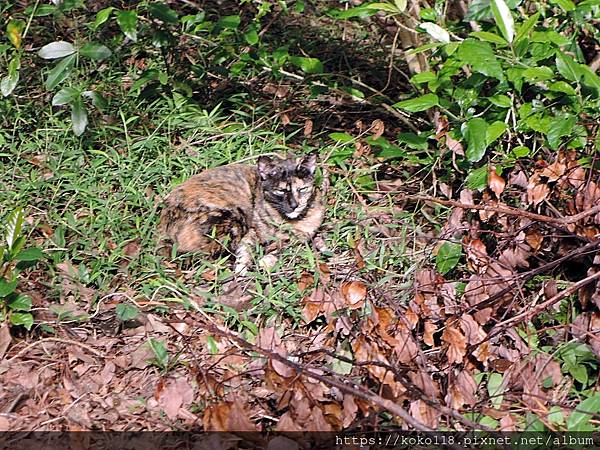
(232, 207)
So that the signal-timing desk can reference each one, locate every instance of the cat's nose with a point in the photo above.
(293, 203)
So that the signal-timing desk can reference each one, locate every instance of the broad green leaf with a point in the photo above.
(521, 151)
(559, 127)
(550, 37)
(126, 312)
(423, 77)
(579, 419)
(64, 96)
(494, 388)
(535, 74)
(12, 227)
(160, 352)
(251, 36)
(419, 104)
(358, 11)
(60, 72)
(489, 37)
(590, 78)
(567, 67)
(56, 50)
(44, 10)
(436, 32)
(20, 303)
(10, 81)
(494, 131)
(344, 138)
(97, 100)
(30, 254)
(342, 367)
(308, 65)
(480, 56)
(14, 30)
(477, 179)
(388, 150)
(7, 287)
(387, 7)
(127, 21)
(78, 117)
(413, 141)
(475, 132)
(527, 26)
(400, 4)
(229, 22)
(25, 319)
(162, 12)
(447, 257)
(565, 5)
(504, 19)
(556, 416)
(95, 51)
(426, 47)
(102, 16)
(501, 100)
(212, 345)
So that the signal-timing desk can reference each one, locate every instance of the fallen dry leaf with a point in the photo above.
(354, 293)
(457, 344)
(495, 182)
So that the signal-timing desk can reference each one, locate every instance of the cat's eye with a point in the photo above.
(278, 192)
(304, 190)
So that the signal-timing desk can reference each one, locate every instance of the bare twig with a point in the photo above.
(62, 341)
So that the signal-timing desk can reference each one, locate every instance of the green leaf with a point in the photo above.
(78, 117)
(436, 32)
(10, 81)
(97, 52)
(60, 72)
(419, 104)
(535, 74)
(413, 141)
(475, 132)
(494, 388)
(481, 57)
(567, 67)
(162, 12)
(447, 257)
(350, 13)
(504, 19)
(342, 367)
(102, 16)
(25, 319)
(559, 127)
(228, 22)
(211, 343)
(12, 227)
(20, 303)
(477, 179)
(97, 100)
(251, 36)
(344, 138)
(565, 5)
(500, 100)
(521, 151)
(64, 96)
(579, 419)
(489, 37)
(14, 30)
(387, 7)
(7, 287)
(400, 4)
(126, 312)
(160, 352)
(527, 26)
(127, 21)
(308, 65)
(494, 131)
(56, 50)
(30, 254)
(423, 77)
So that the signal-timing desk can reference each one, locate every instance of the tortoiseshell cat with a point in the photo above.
(232, 207)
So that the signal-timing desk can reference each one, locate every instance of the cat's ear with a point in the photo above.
(264, 166)
(308, 163)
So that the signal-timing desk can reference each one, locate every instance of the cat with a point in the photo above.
(231, 208)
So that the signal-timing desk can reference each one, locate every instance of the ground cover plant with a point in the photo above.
(454, 286)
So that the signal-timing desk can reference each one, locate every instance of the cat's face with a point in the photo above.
(288, 184)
